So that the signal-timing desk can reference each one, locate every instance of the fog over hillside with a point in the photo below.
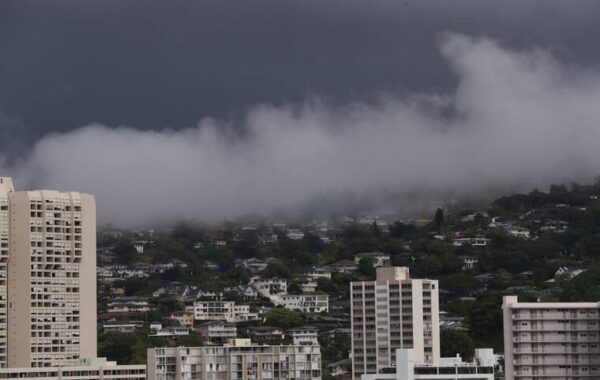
(518, 118)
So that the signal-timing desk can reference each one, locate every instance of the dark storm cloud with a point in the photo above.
(214, 109)
(157, 64)
(520, 119)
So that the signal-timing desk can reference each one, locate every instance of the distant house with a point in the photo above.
(222, 311)
(295, 234)
(208, 294)
(267, 287)
(265, 334)
(304, 336)
(122, 327)
(139, 246)
(247, 292)
(379, 259)
(340, 368)
(317, 272)
(338, 331)
(218, 331)
(519, 232)
(267, 239)
(306, 303)
(211, 265)
(254, 264)
(474, 242)
(185, 318)
(124, 305)
(343, 266)
(568, 273)
(171, 331)
(469, 262)
(308, 285)
(219, 242)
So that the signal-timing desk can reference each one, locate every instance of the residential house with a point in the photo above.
(379, 259)
(217, 331)
(306, 303)
(265, 334)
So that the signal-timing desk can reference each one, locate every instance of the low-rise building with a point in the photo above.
(218, 331)
(379, 259)
(124, 305)
(239, 359)
(265, 334)
(88, 369)
(304, 336)
(317, 272)
(171, 331)
(469, 262)
(308, 285)
(222, 311)
(474, 242)
(122, 327)
(267, 287)
(407, 368)
(185, 318)
(343, 266)
(339, 368)
(294, 234)
(306, 303)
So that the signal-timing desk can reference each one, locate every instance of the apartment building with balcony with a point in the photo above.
(6, 187)
(222, 311)
(47, 277)
(237, 360)
(391, 313)
(551, 340)
(88, 369)
(305, 303)
(217, 331)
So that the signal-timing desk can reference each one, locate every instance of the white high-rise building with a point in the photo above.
(551, 340)
(47, 277)
(239, 359)
(393, 312)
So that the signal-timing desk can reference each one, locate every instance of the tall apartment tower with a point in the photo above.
(393, 312)
(6, 187)
(48, 293)
(551, 341)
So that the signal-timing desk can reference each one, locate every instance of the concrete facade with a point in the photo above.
(551, 340)
(50, 274)
(407, 368)
(393, 312)
(237, 360)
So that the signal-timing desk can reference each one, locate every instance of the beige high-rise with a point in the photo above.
(50, 277)
(393, 312)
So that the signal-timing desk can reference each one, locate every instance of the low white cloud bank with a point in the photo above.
(516, 119)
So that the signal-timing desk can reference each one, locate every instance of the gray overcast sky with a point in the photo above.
(157, 64)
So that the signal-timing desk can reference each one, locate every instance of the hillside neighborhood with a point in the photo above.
(274, 283)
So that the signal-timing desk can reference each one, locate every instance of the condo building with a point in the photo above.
(88, 369)
(237, 360)
(47, 277)
(390, 313)
(453, 368)
(6, 187)
(222, 311)
(306, 303)
(551, 340)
